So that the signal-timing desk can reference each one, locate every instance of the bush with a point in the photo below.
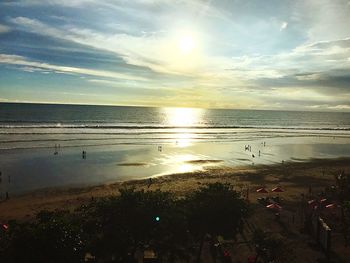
(114, 228)
(215, 209)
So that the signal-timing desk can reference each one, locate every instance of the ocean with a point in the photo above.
(43, 125)
(41, 144)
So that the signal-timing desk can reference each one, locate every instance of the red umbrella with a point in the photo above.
(274, 206)
(323, 200)
(262, 190)
(331, 206)
(312, 202)
(277, 190)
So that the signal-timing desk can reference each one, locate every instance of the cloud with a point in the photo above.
(4, 29)
(293, 53)
(249, 73)
(323, 56)
(73, 3)
(325, 19)
(157, 51)
(33, 65)
(284, 25)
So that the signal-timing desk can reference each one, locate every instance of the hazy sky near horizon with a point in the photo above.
(272, 54)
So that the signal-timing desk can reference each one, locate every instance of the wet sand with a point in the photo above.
(32, 170)
(294, 177)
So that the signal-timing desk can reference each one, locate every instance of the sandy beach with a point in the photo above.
(294, 177)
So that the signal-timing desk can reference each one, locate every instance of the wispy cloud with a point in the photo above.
(284, 25)
(4, 29)
(33, 65)
(248, 54)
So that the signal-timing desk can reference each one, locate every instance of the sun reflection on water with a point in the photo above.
(184, 138)
(180, 163)
(183, 119)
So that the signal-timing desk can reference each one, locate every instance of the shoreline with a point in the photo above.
(294, 177)
(66, 168)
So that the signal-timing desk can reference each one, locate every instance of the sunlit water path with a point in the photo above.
(124, 143)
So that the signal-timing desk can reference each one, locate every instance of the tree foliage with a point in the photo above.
(113, 229)
(215, 209)
(272, 248)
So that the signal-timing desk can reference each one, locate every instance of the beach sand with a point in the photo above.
(295, 178)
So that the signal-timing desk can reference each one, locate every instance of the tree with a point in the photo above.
(272, 248)
(215, 209)
(343, 196)
(346, 224)
(133, 220)
(53, 237)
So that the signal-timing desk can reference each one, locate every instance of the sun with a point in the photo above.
(186, 44)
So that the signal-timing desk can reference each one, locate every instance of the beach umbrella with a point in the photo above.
(277, 190)
(274, 206)
(262, 191)
(322, 201)
(312, 202)
(331, 206)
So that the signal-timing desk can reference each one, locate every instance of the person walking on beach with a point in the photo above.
(259, 153)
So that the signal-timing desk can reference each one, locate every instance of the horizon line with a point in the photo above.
(147, 106)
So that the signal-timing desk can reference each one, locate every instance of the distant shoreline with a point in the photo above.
(147, 106)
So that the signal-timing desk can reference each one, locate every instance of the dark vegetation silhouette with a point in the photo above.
(115, 229)
(342, 192)
(270, 247)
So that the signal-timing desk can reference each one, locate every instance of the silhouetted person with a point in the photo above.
(7, 196)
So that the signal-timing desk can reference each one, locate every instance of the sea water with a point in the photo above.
(41, 144)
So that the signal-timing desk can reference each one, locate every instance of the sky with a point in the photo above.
(279, 55)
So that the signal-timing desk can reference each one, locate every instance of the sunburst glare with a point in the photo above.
(186, 44)
(183, 119)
